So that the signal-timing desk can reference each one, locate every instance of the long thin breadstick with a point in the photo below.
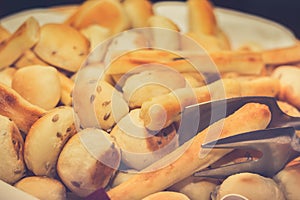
(163, 110)
(248, 118)
(250, 63)
(282, 55)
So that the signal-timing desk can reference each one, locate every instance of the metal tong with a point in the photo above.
(278, 144)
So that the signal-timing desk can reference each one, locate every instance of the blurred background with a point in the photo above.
(281, 11)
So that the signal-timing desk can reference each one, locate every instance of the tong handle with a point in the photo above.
(293, 122)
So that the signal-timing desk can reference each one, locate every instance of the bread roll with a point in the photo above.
(251, 186)
(139, 146)
(46, 139)
(25, 37)
(40, 85)
(96, 35)
(43, 188)
(62, 46)
(6, 75)
(195, 188)
(12, 166)
(166, 195)
(165, 33)
(201, 17)
(288, 109)
(106, 13)
(4, 34)
(184, 161)
(66, 85)
(208, 42)
(88, 161)
(194, 79)
(122, 176)
(29, 58)
(288, 77)
(143, 86)
(109, 105)
(138, 12)
(289, 180)
(19, 110)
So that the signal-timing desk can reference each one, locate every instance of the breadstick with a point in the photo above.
(20, 111)
(163, 110)
(248, 118)
(248, 63)
(282, 55)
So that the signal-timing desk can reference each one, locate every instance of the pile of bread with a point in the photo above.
(70, 123)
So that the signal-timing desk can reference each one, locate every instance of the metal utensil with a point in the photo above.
(197, 117)
(278, 147)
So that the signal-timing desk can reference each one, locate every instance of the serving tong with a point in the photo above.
(278, 144)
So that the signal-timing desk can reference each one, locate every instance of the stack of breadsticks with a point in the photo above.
(70, 123)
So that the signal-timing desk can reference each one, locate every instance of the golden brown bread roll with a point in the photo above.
(138, 12)
(195, 187)
(46, 139)
(62, 46)
(201, 17)
(88, 161)
(19, 110)
(122, 176)
(248, 118)
(147, 84)
(288, 109)
(43, 188)
(208, 42)
(12, 166)
(29, 58)
(109, 105)
(288, 180)
(139, 146)
(25, 37)
(67, 86)
(106, 13)
(288, 77)
(166, 195)
(165, 33)
(4, 34)
(6, 75)
(40, 85)
(251, 186)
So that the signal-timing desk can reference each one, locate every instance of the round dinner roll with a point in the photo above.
(288, 180)
(122, 176)
(142, 86)
(288, 109)
(251, 186)
(166, 195)
(62, 46)
(12, 166)
(88, 161)
(46, 139)
(106, 13)
(40, 85)
(43, 188)
(139, 146)
(138, 12)
(288, 77)
(195, 187)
